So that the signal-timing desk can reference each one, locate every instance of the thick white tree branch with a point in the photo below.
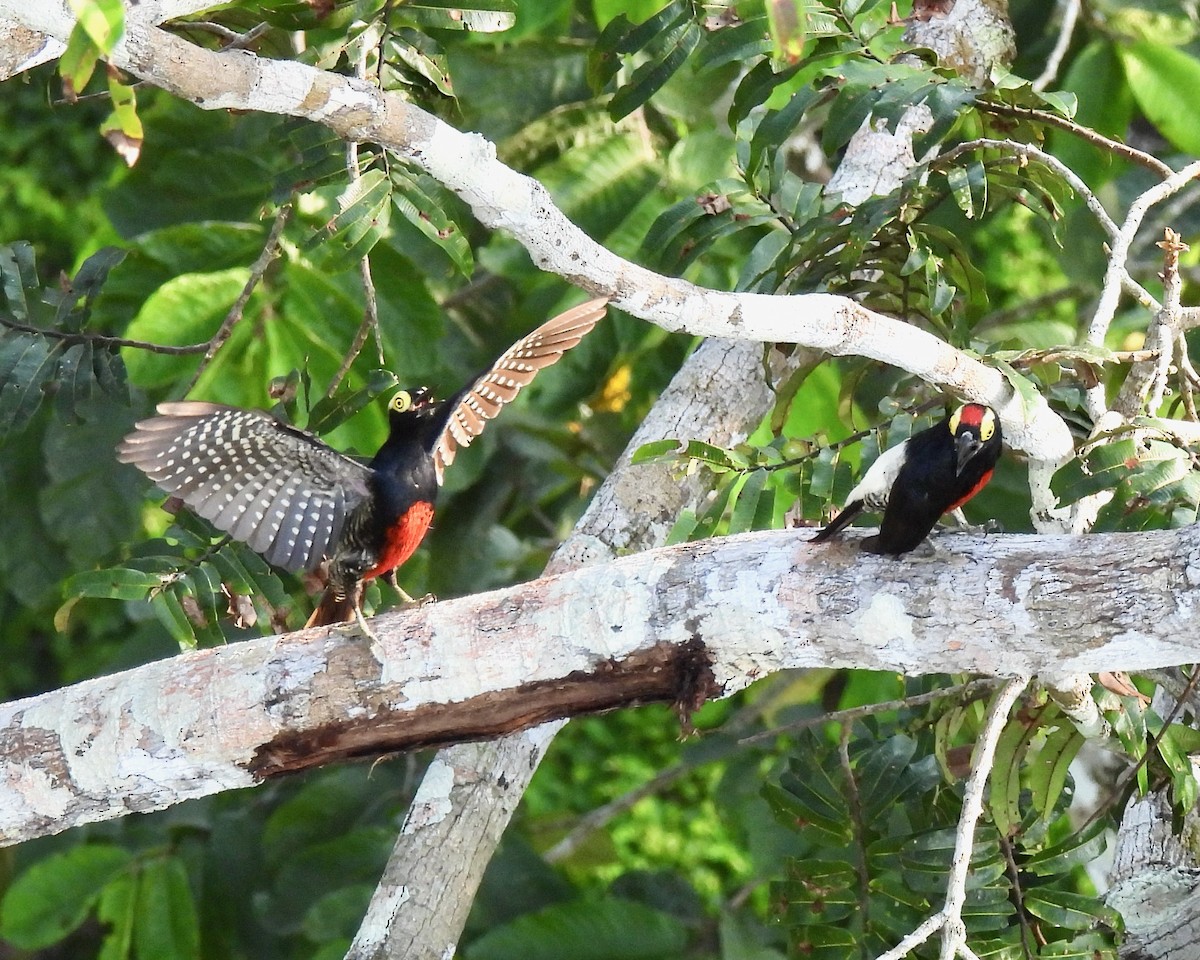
(698, 619)
(504, 199)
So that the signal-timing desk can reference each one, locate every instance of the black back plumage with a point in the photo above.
(917, 481)
(929, 485)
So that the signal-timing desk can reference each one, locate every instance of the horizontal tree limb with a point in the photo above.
(676, 624)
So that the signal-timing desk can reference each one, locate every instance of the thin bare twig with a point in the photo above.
(80, 337)
(1114, 276)
(1014, 876)
(1143, 389)
(258, 270)
(1149, 161)
(856, 820)
(232, 40)
(964, 692)
(1070, 15)
(949, 918)
(370, 321)
(1028, 151)
(1188, 378)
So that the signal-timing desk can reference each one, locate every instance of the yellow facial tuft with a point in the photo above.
(987, 425)
(978, 418)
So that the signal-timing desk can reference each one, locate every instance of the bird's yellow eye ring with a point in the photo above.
(401, 403)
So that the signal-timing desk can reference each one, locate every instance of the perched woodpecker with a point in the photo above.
(301, 504)
(929, 474)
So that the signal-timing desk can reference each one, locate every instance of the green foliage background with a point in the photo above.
(668, 137)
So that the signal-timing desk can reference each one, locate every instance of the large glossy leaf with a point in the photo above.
(1161, 77)
(55, 895)
(477, 16)
(166, 926)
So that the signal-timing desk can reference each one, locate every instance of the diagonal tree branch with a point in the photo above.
(470, 791)
(503, 199)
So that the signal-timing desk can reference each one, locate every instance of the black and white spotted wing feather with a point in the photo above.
(289, 496)
(482, 400)
(279, 490)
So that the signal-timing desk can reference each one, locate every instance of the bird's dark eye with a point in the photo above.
(401, 402)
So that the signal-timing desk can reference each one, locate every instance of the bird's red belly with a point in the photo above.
(403, 538)
(983, 482)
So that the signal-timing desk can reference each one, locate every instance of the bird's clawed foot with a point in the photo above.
(362, 625)
(390, 579)
(975, 529)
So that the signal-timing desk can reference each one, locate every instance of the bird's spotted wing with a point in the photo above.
(482, 400)
(279, 490)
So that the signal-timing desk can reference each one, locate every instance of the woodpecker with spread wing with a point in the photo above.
(929, 474)
(300, 503)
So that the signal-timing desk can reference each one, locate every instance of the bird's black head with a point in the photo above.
(975, 429)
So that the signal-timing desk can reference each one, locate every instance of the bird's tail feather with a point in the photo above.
(333, 608)
(839, 523)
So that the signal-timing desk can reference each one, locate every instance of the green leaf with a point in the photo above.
(102, 20)
(1073, 911)
(331, 412)
(78, 61)
(117, 910)
(1161, 78)
(85, 286)
(186, 309)
(808, 799)
(740, 43)
(968, 186)
(56, 894)
(672, 50)
(19, 272)
(746, 502)
(1004, 784)
(1026, 389)
(31, 363)
(819, 891)
(1078, 849)
(822, 943)
(167, 927)
(476, 16)
(883, 776)
(685, 524)
(610, 929)
(659, 451)
(123, 127)
(116, 583)
(362, 218)
(1048, 769)
(422, 202)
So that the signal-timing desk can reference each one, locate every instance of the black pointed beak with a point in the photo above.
(966, 445)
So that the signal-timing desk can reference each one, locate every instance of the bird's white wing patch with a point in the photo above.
(874, 488)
